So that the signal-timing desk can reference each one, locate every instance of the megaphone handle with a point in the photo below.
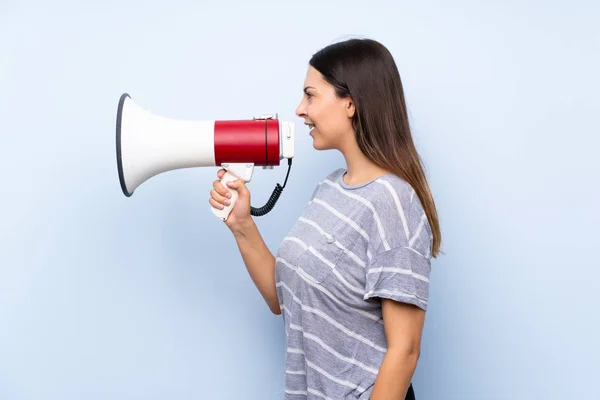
(226, 210)
(245, 173)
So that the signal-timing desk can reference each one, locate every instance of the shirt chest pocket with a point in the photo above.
(318, 259)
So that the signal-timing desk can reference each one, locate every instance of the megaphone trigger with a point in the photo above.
(149, 144)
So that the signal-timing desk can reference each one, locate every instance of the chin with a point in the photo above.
(319, 143)
(320, 146)
(316, 143)
(324, 142)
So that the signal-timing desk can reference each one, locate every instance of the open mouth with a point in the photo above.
(310, 126)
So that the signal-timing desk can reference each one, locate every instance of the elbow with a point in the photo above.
(413, 353)
(273, 303)
(410, 354)
(414, 357)
(275, 309)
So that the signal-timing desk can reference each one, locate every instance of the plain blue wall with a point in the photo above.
(107, 297)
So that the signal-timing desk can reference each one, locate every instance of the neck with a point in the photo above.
(360, 169)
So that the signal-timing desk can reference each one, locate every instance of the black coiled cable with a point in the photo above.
(260, 211)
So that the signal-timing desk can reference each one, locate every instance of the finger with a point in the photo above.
(215, 204)
(218, 198)
(237, 184)
(221, 172)
(234, 184)
(219, 188)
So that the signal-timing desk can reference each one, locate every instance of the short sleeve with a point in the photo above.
(400, 274)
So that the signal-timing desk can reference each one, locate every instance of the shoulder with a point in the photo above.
(402, 220)
(330, 176)
(392, 193)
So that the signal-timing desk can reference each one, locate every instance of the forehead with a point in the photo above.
(314, 78)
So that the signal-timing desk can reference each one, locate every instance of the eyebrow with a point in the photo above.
(307, 87)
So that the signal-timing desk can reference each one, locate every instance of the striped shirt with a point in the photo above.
(351, 246)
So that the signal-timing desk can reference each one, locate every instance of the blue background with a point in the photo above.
(108, 297)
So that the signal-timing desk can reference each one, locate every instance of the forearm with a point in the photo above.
(395, 374)
(259, 262)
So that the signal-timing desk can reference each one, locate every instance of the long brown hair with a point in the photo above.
(365, 70)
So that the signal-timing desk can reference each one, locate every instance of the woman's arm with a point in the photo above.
(403, 326)
(259, 261)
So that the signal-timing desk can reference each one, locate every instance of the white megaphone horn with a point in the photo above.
(149, 144)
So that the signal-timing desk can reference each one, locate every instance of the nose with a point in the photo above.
(301, 109)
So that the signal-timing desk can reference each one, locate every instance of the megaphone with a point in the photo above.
(149, 144)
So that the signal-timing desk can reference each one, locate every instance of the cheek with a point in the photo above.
(314, 112)
(331, 120)
(320, 114)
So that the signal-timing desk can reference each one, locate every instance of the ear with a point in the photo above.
(349, 107)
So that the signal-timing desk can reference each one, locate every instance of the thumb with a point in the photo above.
(239, 185)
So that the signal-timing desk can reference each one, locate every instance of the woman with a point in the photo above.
(351, 279)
